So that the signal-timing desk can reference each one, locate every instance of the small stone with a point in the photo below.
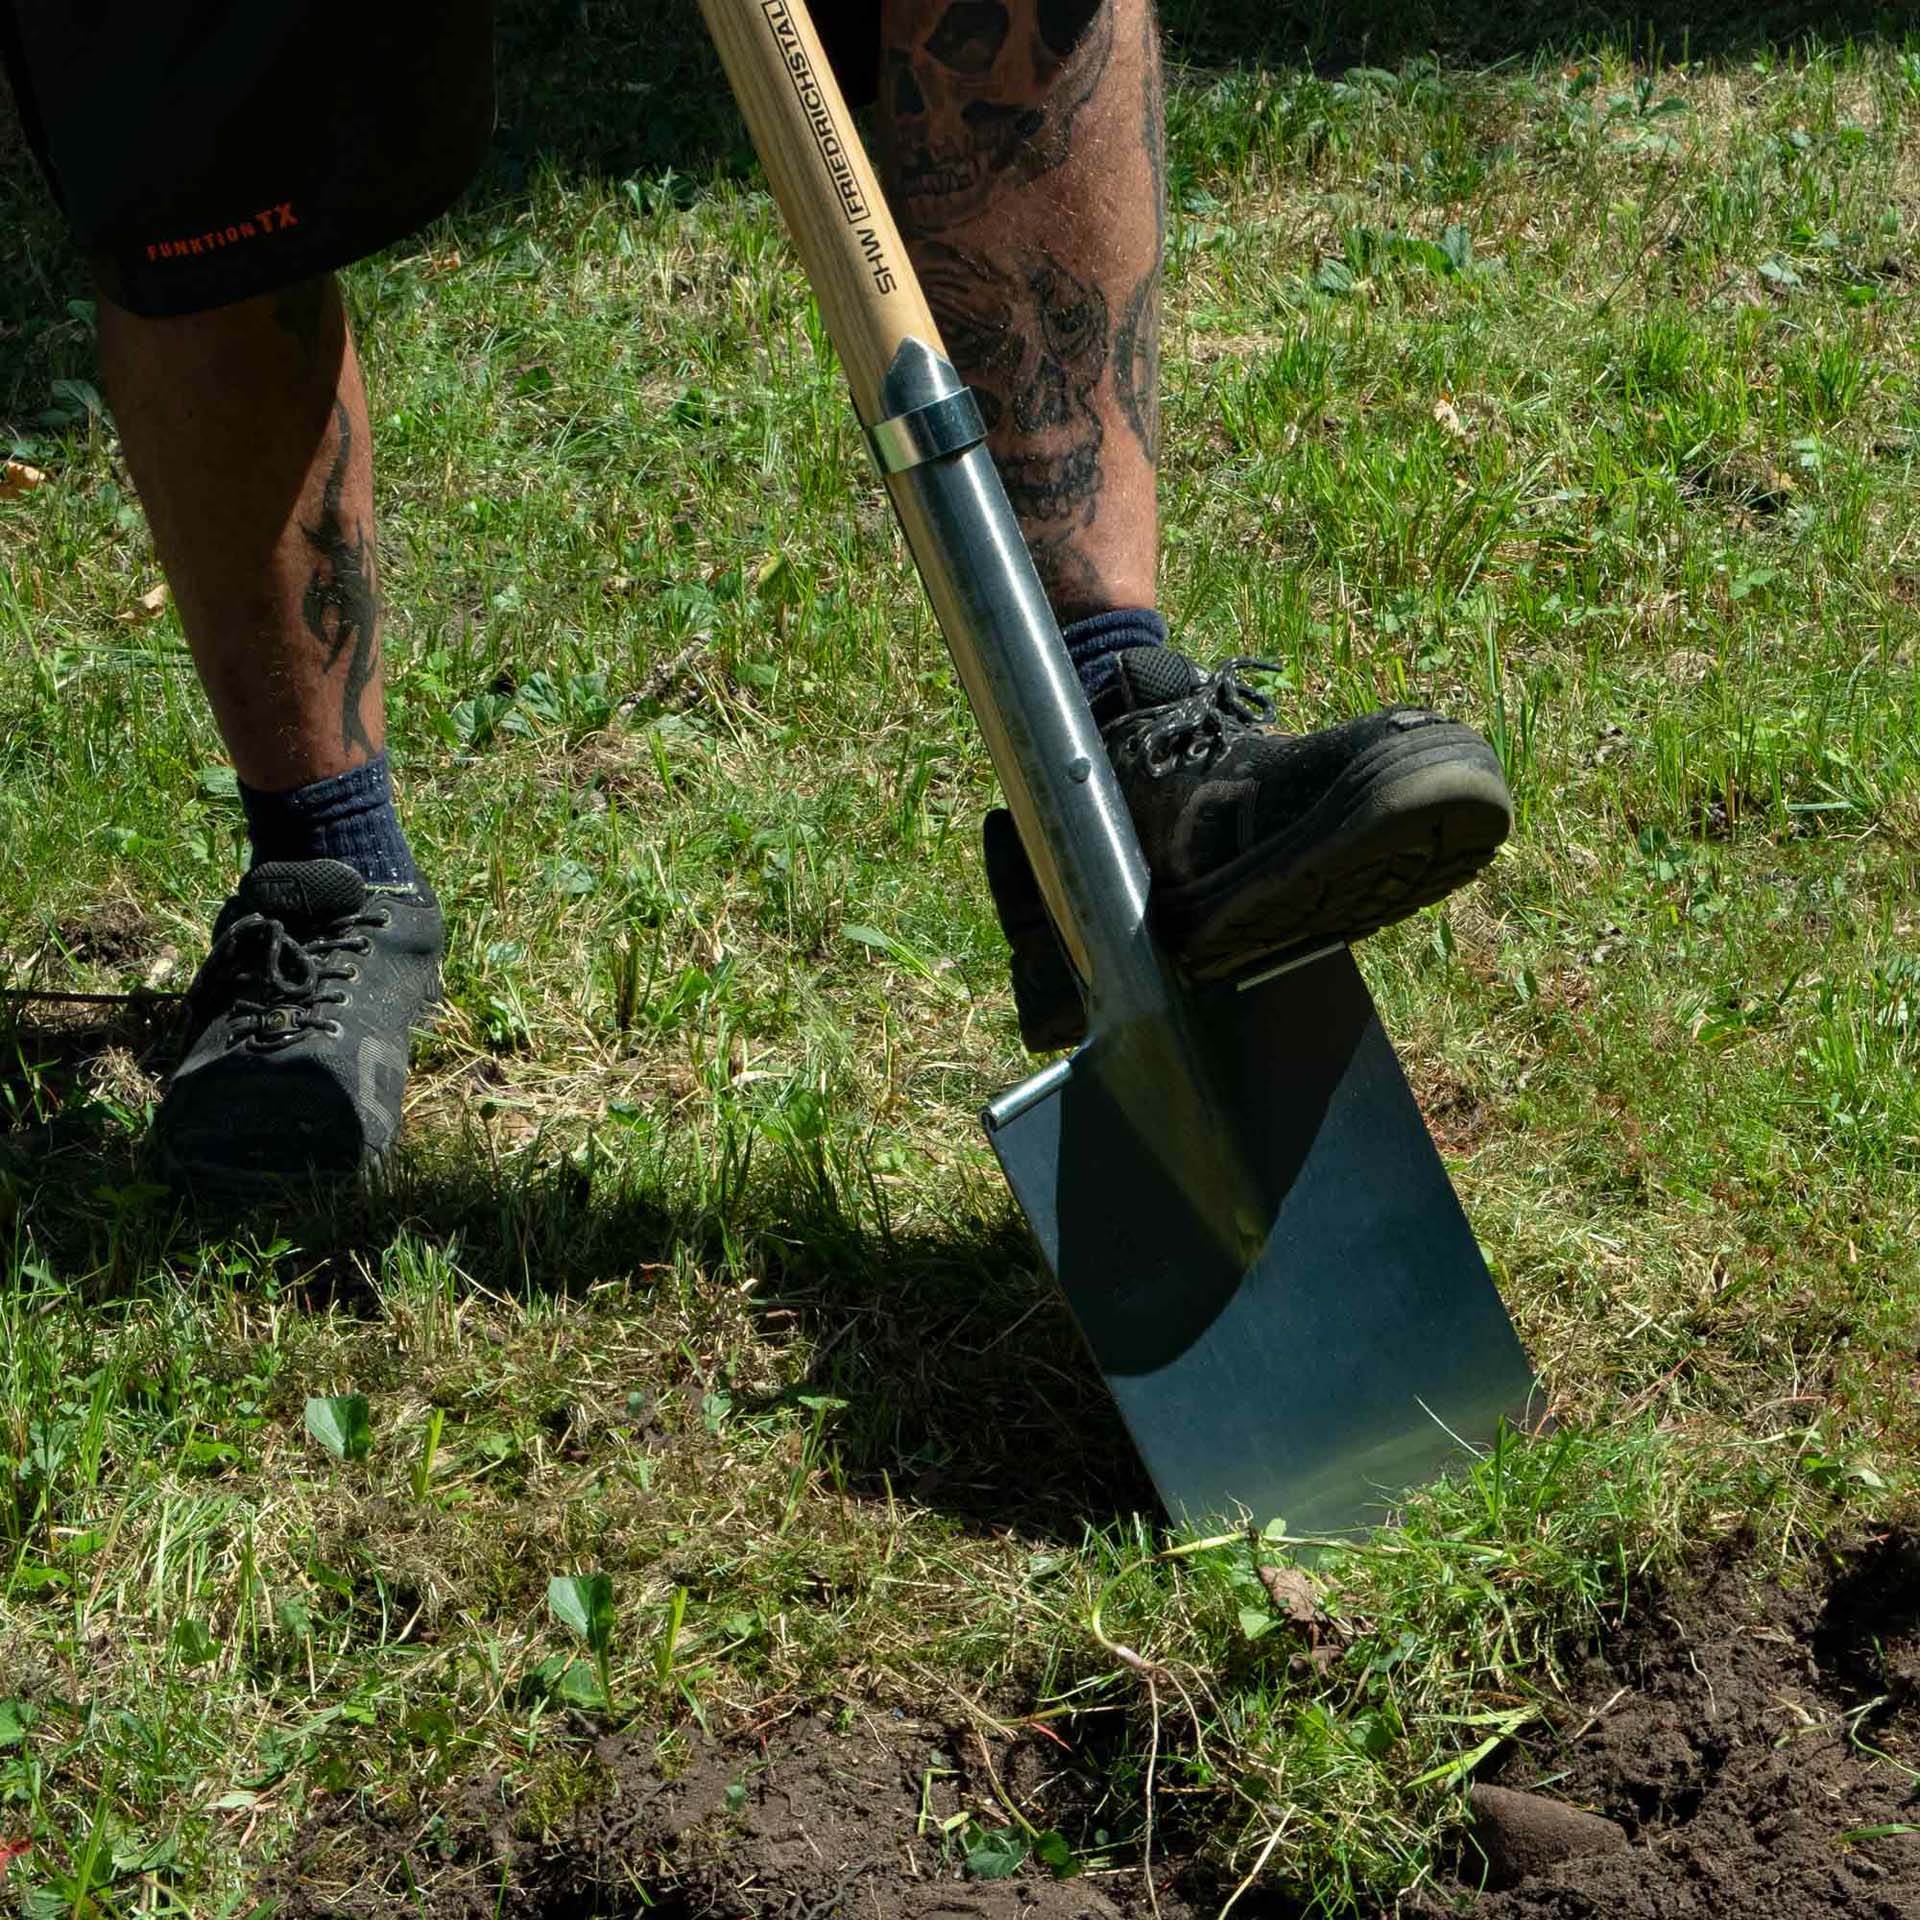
(1522, 1834)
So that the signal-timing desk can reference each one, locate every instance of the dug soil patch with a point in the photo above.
(801, 1822)
(1758, 1748)
(1761, 1749)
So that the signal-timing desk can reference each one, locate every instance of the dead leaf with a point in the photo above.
(16, 478)
(12, 1850)
(150, 603)
(1293, 1594)
(1447, 417)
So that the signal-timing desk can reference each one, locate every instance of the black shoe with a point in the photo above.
(1259, 842)
(1046, 995)
(296, 1051)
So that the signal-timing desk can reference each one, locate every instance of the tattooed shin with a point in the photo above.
(1032, 341)
(1072, 582)
(973, 100)
(341, 606)
(1136, 363)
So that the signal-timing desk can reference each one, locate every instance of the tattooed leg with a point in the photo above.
(245, 430)
(1023, 142)
(341, 605)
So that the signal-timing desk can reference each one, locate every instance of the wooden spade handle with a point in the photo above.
(826, 187)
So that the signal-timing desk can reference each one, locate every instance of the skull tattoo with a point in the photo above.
(973, 99)
(1034, 340)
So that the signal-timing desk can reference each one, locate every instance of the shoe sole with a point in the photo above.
(1404, 826)
(222, 1189)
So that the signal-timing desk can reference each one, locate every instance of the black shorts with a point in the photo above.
(209, 150)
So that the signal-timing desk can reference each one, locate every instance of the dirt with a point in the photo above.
(1742, 1736)
(115, 933)
(1736, 1733)
(799, 1821)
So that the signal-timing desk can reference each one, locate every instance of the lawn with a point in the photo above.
(1562, 379)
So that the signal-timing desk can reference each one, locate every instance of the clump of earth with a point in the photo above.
(1759, 1749)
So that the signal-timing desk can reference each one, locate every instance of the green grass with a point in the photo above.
(1569, 386)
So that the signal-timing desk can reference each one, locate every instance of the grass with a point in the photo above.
(1569, 385)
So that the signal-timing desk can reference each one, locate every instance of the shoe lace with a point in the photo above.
(1199, 726)
(272, 987)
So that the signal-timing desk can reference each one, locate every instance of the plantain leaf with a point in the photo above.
(584, 1603)
(343, 1425)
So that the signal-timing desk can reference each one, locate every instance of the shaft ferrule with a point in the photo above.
(950, 424)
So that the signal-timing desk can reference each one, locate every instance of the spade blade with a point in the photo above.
(1362, 1350)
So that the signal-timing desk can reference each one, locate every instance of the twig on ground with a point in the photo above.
(1025, 1825)
(1146, 1835)
(1593, 1719)
(1254, 1872)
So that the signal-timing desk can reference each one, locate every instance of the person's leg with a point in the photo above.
(245, 429)
(1024, 147)
(1023, 150)
(317, 132)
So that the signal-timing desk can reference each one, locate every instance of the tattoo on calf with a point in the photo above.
(1033, 341)
(973, 101)
(341, 606)
(1072, 580)
(1136, 363)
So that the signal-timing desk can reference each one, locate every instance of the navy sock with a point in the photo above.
(1092, 642)
(347, 817)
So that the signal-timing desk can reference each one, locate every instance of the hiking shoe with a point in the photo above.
(296, 1049)
(1262, 843)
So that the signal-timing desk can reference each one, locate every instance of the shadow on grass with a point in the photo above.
(57, 1118)
(966, 1386)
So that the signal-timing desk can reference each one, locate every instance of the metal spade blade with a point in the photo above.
(1360, 1351)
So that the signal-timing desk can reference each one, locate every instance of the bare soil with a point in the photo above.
(797, 1822)
(1747, 1738)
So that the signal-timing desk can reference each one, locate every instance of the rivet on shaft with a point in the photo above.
(1078, 768)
